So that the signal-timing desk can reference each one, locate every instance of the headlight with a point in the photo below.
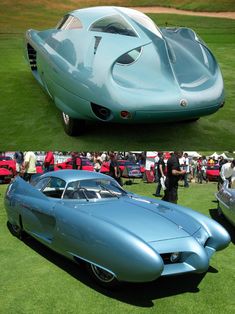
(201, 236)
(175, 257)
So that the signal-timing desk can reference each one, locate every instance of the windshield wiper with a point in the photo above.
(107, 189)
(83, 190)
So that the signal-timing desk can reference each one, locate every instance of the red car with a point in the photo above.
(212, 173)
(105, 167)
(39, 166)
(68, 164)
(5, 175)
(8, 163)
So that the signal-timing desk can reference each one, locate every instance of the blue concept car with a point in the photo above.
(226, 199)
(87, 217)
(114, 64)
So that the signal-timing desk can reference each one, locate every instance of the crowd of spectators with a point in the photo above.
(180, 167)
(167, 168)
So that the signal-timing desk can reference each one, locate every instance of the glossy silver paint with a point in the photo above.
(226, 199)
(133, 238)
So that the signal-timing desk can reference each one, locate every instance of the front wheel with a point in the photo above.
(73, 126)
(192, 120)
(103, 277)
(15, 230)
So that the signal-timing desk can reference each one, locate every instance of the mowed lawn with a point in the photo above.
(37, 280)
(28, 117)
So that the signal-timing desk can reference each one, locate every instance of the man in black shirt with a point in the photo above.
(173, 174)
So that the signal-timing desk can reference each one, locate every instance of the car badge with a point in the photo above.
(183, 103)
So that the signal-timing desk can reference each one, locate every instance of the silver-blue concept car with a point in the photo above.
(113, 64)
(86, 216)
(226, 199)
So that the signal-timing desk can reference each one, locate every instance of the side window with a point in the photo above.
(69, 22)
(130, 57)
(114, 24)
(39, 184)
(54, 188)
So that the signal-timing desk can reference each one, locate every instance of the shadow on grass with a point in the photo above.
(220, 218)
(138, 294)
(125, 130)
(130, 182)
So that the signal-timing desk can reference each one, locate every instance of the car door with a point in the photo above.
(38, 213)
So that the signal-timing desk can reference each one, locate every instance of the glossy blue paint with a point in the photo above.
(170, 73)
(130, 236)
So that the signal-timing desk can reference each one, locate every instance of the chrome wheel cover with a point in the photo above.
(102, 274)
(66, 118)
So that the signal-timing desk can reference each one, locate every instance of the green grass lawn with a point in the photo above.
(37, 280)
(199, 5)
(29, 118)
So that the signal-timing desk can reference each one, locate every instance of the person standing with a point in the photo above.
(114, 170)
(173, 175)
(160, 169)
(29, 165)
(185, 167)
(97, 162)
(204, 167)
(76, 161)
(227, 172)
(19, 159)
(193, 164)
(49, 161)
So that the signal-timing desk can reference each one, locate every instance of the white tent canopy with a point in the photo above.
(219, 155)
(193, 154)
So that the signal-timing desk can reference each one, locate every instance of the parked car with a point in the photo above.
(105, 167)
(120, 236)
(122, 163)
(68, 164)
(8, 163)
(92, 65)
(5, 175)
(226, 199)
(39, 166)
(213, 173)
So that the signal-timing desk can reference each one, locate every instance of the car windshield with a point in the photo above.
(145, 21)
(86, 162)
(3, 158)
(93, 189)
(212, 167)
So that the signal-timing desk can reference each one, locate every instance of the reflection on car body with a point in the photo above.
(226, 199)
(86, 216)
(113, 64)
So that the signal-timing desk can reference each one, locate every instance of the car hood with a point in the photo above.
(148, 220)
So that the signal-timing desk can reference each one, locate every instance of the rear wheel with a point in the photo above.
(73, 126)
(103, 277)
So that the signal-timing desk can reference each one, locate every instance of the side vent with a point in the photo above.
(32, 54)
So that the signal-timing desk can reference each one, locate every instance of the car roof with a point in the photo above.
(95, 13)
(73, 175)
